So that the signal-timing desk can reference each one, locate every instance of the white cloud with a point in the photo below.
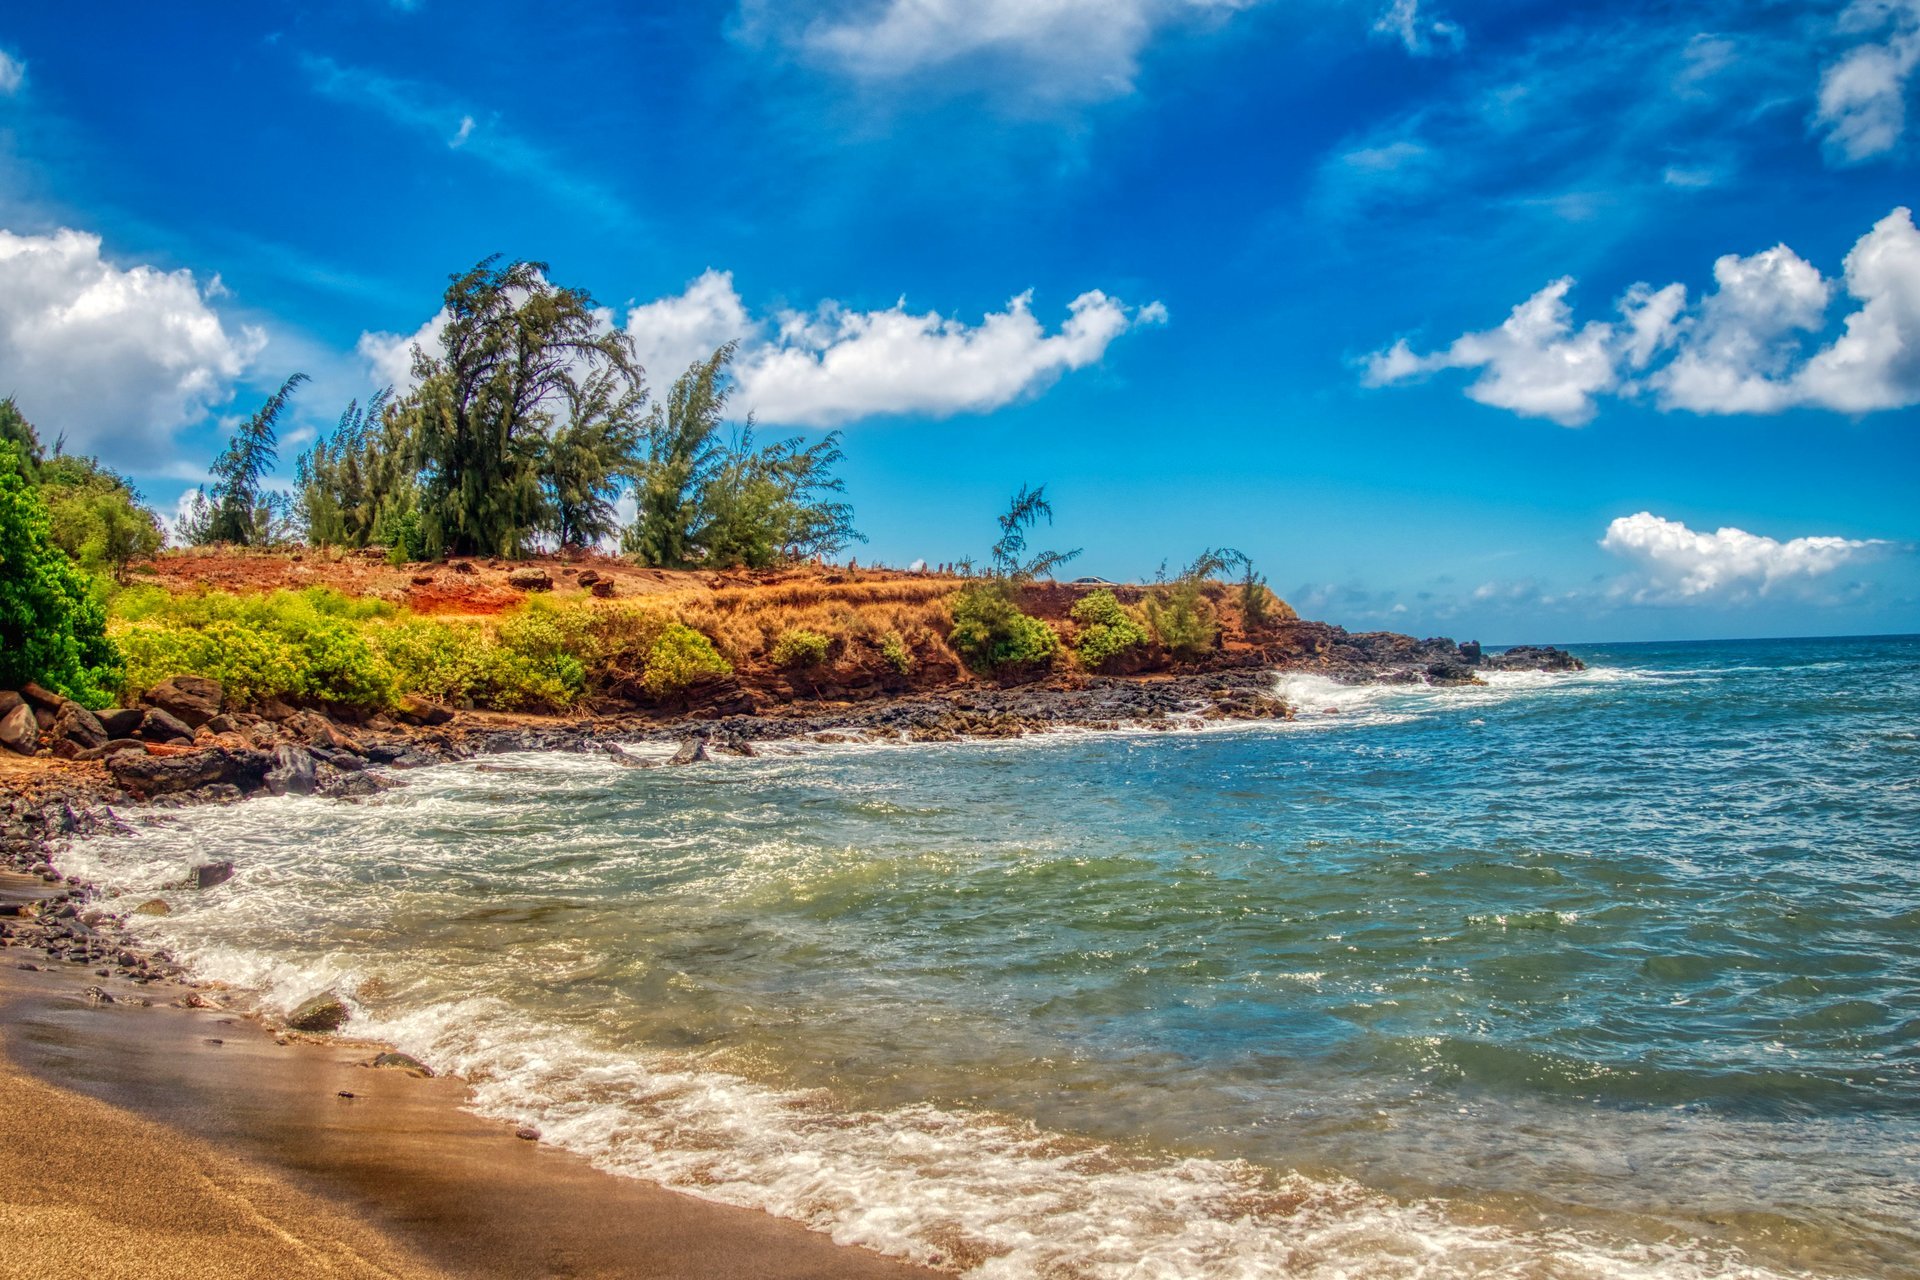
(117, 358)
(13, 74)
(833, 365)
(1535, 364)
(1677, 565)
(1862, 104)
(671, 333)
(1743, 349)
(1061, 48)
(1420, 34)
(461, 134)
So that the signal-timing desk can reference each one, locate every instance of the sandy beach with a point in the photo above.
(150, 1141)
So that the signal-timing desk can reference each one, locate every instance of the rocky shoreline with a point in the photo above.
(208, 753)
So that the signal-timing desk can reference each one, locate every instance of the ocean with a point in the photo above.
(1606, 974)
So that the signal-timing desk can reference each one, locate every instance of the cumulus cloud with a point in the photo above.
(1742, 349)
(117, 358)
(834, 365)
(1861, 110)
(13, 73)
(1420, 34)
(1056, 48)
(1677, 565)
(1536, 364)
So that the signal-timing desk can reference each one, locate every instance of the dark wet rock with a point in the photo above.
(223, 723)
(41, 698)
(208, 874)
(603, 589)
(97, 995)
(192, 699)
(530, 578)
(321, 1013)
(75, 724)
(163, 726)
(293, 772)
(354, 786)
(345, 760)
(153, 907)
(402, 1062)
(120, 722)
(1528, 657)
(1451, 673)
(316, 730)
(527, 1133)
(147, 776)
(19, 730)
(692, 751)
(1470, 651)
(109, 748)
(588, 577)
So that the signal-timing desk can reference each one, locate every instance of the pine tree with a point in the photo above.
(242, 513)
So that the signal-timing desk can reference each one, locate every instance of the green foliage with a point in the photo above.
(1107, 629)
(704, 501)
(308, 644)
(52, 628)
(1181, 615)
(359, 484)
(516, 351)
(798, 647)
(96, 517)
(244, 514)
(18, 432)
(1010, 558)
(680, 658)
(893, 647)
(992, 633)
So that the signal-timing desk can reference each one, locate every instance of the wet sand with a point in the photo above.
(162, 1142)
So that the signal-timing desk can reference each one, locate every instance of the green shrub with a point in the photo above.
(53, 629)
(437, 660)
(799, 647)
(1182, 618)
(993, 635)
(893, 647)
(679, 658)
(289, 644)
(1107, 629)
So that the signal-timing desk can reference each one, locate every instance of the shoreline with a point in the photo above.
(61, 1035)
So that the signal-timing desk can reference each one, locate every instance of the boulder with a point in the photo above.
(79, 726)
(603, 588)
(588, 577)
(403, 1061)
(293, 773)
(461, 566)
(222, 723)
(316, 730)
(354, 786)
(120, 722)
(530, 578)
(112, 745)
(42, 698)
(159, 726)
(209, 874)
(193, 699)
(418, 711)
(692, 751)
(147, 776)
(8, 701)
(19, 731)
(321, 1013)
(153, 907)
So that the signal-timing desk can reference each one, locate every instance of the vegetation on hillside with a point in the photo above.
(52, 626)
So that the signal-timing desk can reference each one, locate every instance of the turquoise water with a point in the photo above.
(1608, 974)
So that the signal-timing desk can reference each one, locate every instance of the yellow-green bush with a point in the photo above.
(799, 647)
(1108, 631)
(300, 644)
(679, 658)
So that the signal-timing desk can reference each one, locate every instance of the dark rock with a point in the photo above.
(460, 566)
(79, 726)
(321, 1013)
(1470, 651)
(117, 744)
(422, 579)
(149, 776)
(527, 1133)
(530, 578)
(96, 995)
(354, 786)
(9, 700)
(603, 589)
(692, 751)
(588, 577)
(19, 731)
(163, 726)
(1527, 657)
(41, 698)
(209, 874)
(193, 699)
(293, 773)
(222, 723)
(418, 711)
(120, 722)
(402, 1061)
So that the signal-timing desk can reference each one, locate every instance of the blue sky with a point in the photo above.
(1558, 321)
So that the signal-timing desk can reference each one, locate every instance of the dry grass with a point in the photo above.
(744, 623)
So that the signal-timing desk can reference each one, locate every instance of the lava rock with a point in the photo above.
(692, 751)
(193, 699)
(209, 874)
(19, 731)
(418, 711)
(603, 589)
(293, 772)
(531, 578)
(321, 1013)
(149, 776)
(403, 1062)
(77, 725)
(120, 722)
(163, 726)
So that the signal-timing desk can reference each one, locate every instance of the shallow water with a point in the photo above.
(1611, 974)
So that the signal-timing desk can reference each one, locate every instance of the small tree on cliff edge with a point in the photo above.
(1010, 558)
(241, 513)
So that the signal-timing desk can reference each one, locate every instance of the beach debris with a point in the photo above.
(214, 1040)
(346, 1093)
(208, 874)
(323, 1012)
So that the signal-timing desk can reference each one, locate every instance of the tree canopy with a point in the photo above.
(52, 628)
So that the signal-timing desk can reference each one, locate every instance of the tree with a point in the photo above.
(517, 351)
(17, 431)
(359, 484)
(682, 453)
(96, 516)
(52, 629)
(242, 513)
(1010, 559)
(590, 458)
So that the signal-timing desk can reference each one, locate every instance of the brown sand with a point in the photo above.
(161, 1154)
